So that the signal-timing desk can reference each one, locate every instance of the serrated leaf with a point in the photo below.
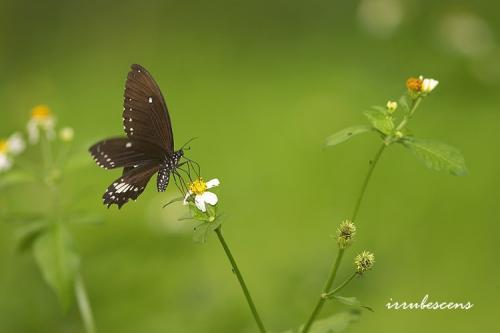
(58, 262)
(336, 323)
(346, 134)
(380, 120)
(352, 301)
(437, 155)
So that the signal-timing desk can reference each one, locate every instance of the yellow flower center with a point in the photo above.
(4, 146)
(198, 186)
(41, 112)
(414, 84)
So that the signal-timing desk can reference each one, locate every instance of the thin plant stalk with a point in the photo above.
(326, 289)
(84, 305)
(237, 272)
(361, 195)
(331, 277)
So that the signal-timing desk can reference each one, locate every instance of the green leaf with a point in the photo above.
(437, 156)
(346, 134)
(27, 234)
(380, 120)
(405, 103)
(173, 200)
(15, 177)
(203, 231)
(352, 301)
(85, 219)
(58, 262)
(336, 323)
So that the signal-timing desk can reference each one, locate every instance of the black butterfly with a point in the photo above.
(148, 147)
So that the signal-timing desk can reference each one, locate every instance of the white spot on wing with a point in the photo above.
(150, 100)
(128, 144)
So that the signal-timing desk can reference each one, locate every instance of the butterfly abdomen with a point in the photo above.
(168, 167)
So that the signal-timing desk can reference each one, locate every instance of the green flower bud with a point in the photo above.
(364, 261)
(345, 234)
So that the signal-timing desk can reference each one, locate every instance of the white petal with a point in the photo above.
(16, 143)
(5, 162)
(186, 197)
(200, 203)
(210, 198)
(33, 131)
(213, 183)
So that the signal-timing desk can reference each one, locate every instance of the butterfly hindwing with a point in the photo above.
(130, 185)
(145, 114)
(122, 152)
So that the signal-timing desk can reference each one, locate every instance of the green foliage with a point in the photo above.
(336, 323)
(352, 301)
(203, 231)
(346, 134)
(405, 103)
(380, 120)
(437, 156)
(15, 177)
(57, 260)
(28, 233)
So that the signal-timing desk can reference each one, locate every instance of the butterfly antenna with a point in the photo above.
(184, 145)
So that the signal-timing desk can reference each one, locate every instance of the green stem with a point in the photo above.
(325, 290)
(373, 163)
(403, 123)
(342, 285)
(236, 271)
(84, 305)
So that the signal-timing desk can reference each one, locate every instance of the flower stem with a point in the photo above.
(84, 305)
(325, 290)
(373, 163)
(342, 285)
(236, 271)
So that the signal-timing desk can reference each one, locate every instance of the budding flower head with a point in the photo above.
(41, 119)
(67, 134)
(345, 234)
(364, 261)
(392, 106)
(414, 84)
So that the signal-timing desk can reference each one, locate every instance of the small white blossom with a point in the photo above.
(5, 162)
(15, 144)
(41, 118)
(199, 188)
(428, 85)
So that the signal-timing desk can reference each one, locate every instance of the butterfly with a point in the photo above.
(148, 147)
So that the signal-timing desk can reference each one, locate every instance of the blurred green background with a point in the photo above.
(262, 84)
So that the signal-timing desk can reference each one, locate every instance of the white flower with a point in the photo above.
(5, 162)
(67, 134)
(428, 85)
(41, 118)
(199, 188)
(15, 144)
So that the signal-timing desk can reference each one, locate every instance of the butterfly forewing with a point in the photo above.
(130, 185)
(122, 152)
(145, 114)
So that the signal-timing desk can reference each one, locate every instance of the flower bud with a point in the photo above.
(345, 234)
(67, 134)
(414, 84)
(391, 106)
(364, 261)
